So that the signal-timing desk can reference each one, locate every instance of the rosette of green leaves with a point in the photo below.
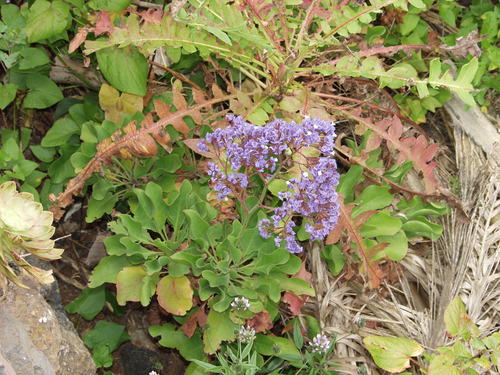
(25, 228)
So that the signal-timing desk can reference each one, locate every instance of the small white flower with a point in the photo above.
(320, 173)
(304, 174)
(309, 132)
(320, 343)
(240, 303)
(246, 334)
(153, 373)
(43, 319)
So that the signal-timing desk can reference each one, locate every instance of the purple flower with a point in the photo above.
(258, 149)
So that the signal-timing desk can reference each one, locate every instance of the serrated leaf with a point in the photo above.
(392, 353)
(175, 294)
(398, 76)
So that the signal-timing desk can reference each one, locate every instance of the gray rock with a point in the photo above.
(36, 339)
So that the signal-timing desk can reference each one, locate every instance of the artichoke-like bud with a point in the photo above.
(25, 228)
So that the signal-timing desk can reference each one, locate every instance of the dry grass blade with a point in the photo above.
(463, 262)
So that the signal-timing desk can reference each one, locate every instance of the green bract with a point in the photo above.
(24, 228)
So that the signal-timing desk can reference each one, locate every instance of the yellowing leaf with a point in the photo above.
(443, 365)
(457, 321)
(116, 105)
(392, 353)
(129, 284)
(175, 294)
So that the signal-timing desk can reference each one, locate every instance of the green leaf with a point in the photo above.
(422, 227)
(43, 92)
(125, 68)
(47, 19)
(107, 270)
(60, 132)
(398, 76)
(443, 365)
(372, 198)
(410, 21)
(297, 286)
(105, 338)
(467, 72)
(418, 4)
(7, 94)
(335, 259)
(175, 294)
(33, 57)
(381, 224)
(374, 32)
(89, 303)
(189, 348)
(278, 347)
(220, 328)
(397, 247)
(457, 322)
(110, 5)
(218, 33)
(392, 353)
(44, 154)
(347, 182)
(199, 227)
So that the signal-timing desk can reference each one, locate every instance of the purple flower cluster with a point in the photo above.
(263, 149)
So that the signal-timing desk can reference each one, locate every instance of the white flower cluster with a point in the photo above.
(320, 344)
(240, 303)
(246, 334)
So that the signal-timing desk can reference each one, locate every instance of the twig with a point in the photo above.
(268, 31)
(353, 100)
(145, 4)
(305, 25)
(371, 9)
(177, 75)
(68, 280)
